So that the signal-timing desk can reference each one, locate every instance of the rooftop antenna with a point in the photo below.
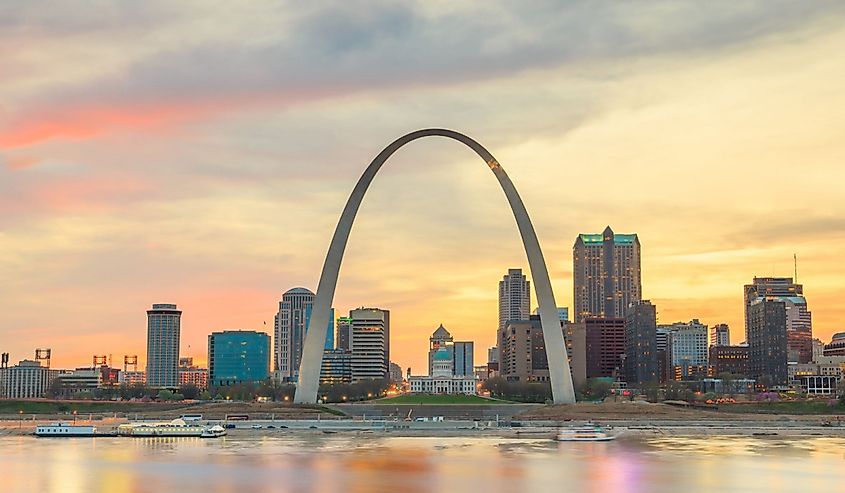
(795, 259)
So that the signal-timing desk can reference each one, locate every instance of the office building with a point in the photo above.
(686, 349)
(799, 326)
(720, 335)
(728, 359)
(289, 327)
(836, 347)
(163, 331)
(522, 351)
(81, 380)
(370, 339)
(514, 297)
(344, 327)
(641, 343)
(238, 356)
(605, 347)
(395, 372)
(767, 341)
(606, 269)
(336, 366)
(26, 380)
(193, 375)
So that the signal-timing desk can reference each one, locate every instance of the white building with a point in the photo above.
(26, 380)
(442, 379)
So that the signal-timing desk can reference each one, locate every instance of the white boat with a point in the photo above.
(213, 432)
(65, 430)
(588, 433)
(175, 428)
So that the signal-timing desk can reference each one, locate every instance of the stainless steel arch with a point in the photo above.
(312, 353)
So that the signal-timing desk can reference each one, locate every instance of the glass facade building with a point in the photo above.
(163, 329)
(238, 356)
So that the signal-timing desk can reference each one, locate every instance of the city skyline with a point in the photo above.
(126, 182)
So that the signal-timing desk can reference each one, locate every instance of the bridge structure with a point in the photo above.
(312, 352)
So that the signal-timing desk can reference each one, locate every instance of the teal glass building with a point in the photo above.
(238, 356)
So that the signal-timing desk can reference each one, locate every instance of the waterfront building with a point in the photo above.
(605, 347)
(163, 331)
(728, 359)
(370, 343)
(641, 343)
(336, 366)
(720, 335)
(606, 270)
(443, 380)
(798, 326)
(686, 349)
(80, 380)
(767, 349)
(26, 380)
(819, 385)
(514, 297)
(238, 356)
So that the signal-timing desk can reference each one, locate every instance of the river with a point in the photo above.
(311, 462)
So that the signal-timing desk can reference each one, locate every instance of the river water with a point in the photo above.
(336, 463)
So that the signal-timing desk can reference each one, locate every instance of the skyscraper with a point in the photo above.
(344, 326)
(369, 343)
(514, 297)
(686, 349)
(605, 346)
(463, 357)
(238, 356)
(163, 328)
(641, 343)
(289, 331)
(767, 347)
(799, 325)
(606, 269)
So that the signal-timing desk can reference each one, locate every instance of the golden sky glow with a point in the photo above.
(203, 158)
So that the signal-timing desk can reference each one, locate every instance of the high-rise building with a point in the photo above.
(799, 325)
(163, 330)
(370, 340)
(605, 346)
(395, 373)
(522, 351)
(607, 274)
(767, 341)
(462, 358)
(641, 343)
(720, 335)
(440, 338)
(686, 349)
(26, 380)
(289, 332)
(238, 356)
(728, 359)
(514, 297)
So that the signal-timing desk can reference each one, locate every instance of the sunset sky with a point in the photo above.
(179, 152)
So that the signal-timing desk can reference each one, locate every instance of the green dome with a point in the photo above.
(442, 354)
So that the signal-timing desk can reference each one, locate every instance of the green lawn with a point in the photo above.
(437, 399)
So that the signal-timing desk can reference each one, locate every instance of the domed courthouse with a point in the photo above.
(443, 379)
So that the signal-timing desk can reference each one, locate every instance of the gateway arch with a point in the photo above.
(312, 353)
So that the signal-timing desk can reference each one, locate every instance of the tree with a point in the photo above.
(164, 395)
(728, 383)
(190, 391)
(595, 389)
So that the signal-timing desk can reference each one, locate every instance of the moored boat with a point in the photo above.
(175, 428)
(213, 432)
(65, 430)
(588, 433)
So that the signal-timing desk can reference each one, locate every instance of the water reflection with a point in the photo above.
(315, 463)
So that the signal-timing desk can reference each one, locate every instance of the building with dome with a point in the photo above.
(442, 379)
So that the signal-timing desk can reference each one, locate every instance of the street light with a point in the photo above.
(20, 419)
(74, 417)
